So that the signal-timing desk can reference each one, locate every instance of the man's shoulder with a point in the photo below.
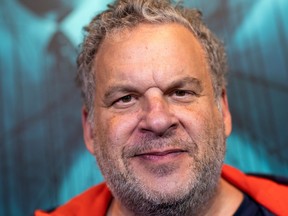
(266, 192)
(95, 199)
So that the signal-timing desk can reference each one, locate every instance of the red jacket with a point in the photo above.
(97, 199)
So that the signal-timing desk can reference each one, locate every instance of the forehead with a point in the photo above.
(160, 51)
(147, 36)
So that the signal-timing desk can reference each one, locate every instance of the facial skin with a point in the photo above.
(158, 133)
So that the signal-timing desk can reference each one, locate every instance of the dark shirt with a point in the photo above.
(249, 207)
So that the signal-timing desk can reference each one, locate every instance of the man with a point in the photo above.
(156, 117)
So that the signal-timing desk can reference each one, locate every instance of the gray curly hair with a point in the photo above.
(125, 14)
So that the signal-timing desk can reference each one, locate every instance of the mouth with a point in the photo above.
(157, 155)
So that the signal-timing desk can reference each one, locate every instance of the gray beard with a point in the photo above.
(196, 201)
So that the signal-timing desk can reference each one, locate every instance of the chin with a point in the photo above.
(167, 189)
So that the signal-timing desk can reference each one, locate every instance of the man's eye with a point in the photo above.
(183, 95)
(125, 99)
(180, 93)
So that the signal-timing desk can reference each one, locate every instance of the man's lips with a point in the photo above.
(157, 154)
(161, 153)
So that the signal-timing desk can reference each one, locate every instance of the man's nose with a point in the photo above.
(158, 117)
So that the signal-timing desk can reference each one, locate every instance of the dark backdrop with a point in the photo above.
(43, 159)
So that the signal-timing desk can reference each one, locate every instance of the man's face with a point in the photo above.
(157, 128)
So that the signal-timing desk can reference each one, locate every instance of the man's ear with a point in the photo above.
(87, 131)
(226, 113)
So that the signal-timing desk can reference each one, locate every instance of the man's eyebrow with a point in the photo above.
(191, 81)
(117, 88)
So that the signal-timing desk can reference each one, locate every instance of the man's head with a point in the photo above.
(125, 15)
(159, 109)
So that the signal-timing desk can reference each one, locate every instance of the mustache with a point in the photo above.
(152, 143)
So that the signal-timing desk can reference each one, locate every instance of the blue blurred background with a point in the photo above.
(43, 159)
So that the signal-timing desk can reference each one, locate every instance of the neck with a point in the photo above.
(225, 202)
(115, 209)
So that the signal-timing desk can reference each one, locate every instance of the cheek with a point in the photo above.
(198, 123)
(112, 134)
(116, 129)
(191, 119)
